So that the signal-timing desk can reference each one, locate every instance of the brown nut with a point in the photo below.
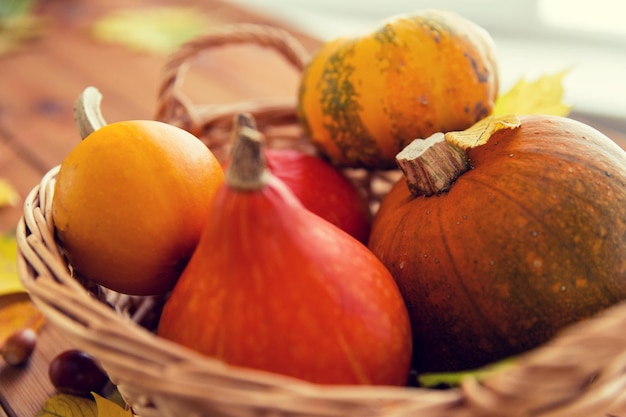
(19, 346)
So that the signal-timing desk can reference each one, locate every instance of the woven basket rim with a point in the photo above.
(571, 375)
(580, 372)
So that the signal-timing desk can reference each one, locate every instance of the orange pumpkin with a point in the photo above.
(531, 238)
(363, 98)
(273, 286)
(130, 202)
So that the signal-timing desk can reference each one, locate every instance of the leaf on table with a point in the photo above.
(8, 194)
(17, 312)
(17, 24)
(63, 405)
(479, 133)
(542, 96)
(152, 29)
(108, 408)
(9, 279)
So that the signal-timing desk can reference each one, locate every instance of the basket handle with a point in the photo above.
(176, 108)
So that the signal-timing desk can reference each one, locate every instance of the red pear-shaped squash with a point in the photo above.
(275, 287)
(323, 189)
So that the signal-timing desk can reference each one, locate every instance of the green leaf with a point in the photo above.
(12, 8)
(454, 379)
(9, 279)
(8, 194)
(63, 405)
(152, 29)
(542, 96)
(17, 24)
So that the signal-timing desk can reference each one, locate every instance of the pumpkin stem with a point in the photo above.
(431, 165)
(247, 170)
(87, 113)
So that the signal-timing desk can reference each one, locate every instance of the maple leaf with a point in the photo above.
(152, 29)
(479, 133)
(542, 96)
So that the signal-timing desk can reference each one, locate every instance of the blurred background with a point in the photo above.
(533, 37)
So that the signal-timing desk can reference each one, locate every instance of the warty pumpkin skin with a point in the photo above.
(530, 239)
(363, 98)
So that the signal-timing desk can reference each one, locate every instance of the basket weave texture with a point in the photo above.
(580, 373)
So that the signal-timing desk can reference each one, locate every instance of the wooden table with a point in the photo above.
(38, 86)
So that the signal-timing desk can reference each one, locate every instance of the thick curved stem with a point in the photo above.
(431, 165)
(87, 114)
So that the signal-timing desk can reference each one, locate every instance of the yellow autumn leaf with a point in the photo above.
(63, 405)
(151, 29)
(108, 408)
(9, 279)
(542, 96)
(17, 312)
(8, 194)
(479, 133)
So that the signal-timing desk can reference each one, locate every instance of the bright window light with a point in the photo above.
(601, 16)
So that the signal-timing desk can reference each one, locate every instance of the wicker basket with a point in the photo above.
(579, 373)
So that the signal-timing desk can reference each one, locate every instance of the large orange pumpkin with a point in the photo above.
(531, 238)
(363, 98)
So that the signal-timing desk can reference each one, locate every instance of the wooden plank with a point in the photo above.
(21, 175)
(24, 389)
(39, 84)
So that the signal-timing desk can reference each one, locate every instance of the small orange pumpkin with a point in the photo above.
(531, 238)
(363, 98)
(130, 202)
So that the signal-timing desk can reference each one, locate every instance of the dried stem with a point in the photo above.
(247, 170)
(87, 114)
(431, 165)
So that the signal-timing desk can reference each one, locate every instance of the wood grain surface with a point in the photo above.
(39, 83)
